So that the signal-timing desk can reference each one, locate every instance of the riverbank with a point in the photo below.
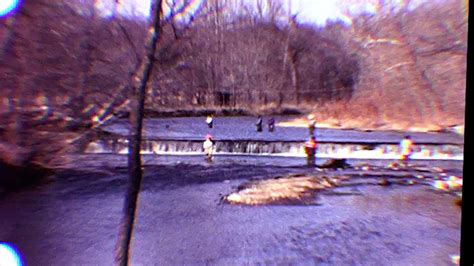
(362, 126)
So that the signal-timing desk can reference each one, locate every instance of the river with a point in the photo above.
(73, 219)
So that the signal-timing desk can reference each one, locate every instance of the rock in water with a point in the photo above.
(458, 202)
(335, 164)
(384, 182)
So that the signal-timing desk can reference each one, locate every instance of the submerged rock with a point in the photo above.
(458, 202)
(394, 166)
(384, 182)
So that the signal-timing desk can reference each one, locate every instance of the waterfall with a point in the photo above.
(349, 150)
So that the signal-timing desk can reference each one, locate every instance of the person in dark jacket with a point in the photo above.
(271, 125)
(259, 123)
(210, 121)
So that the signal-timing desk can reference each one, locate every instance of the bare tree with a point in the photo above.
(137, 106)
(401, 57)
(122, 255)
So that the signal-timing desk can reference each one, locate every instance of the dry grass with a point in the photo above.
(285, 190)
(366, 116)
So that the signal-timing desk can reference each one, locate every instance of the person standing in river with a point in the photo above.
(259, 123)
(208, 147)
(311, 125)
(271, 124)
(210, 120)
(406, 149)
(310, 150)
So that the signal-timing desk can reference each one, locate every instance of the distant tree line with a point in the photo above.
(65, 61)
(64, 65)
(413, 63)
(252, 58)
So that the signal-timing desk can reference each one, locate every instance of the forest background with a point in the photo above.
(67, 66)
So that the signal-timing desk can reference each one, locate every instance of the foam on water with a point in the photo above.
(281, 149)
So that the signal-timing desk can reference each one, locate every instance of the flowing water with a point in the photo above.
(73, 219)
(237, 135)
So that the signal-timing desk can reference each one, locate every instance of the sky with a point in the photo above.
(313, 11)
(309, 11)
(317, 11)
(320, 11)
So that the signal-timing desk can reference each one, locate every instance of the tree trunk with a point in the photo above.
(85, 64)
(294, 78)
(122, 255)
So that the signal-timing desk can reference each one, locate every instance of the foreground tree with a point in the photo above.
(137, 103)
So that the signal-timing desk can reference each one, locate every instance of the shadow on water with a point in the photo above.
(166, 176)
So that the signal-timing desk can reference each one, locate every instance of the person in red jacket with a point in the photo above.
(310, 150)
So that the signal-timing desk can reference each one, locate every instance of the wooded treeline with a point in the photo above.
(250, 58)
(413, 66)
(68, 65)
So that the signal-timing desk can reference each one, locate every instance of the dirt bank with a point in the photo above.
(363, 126)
